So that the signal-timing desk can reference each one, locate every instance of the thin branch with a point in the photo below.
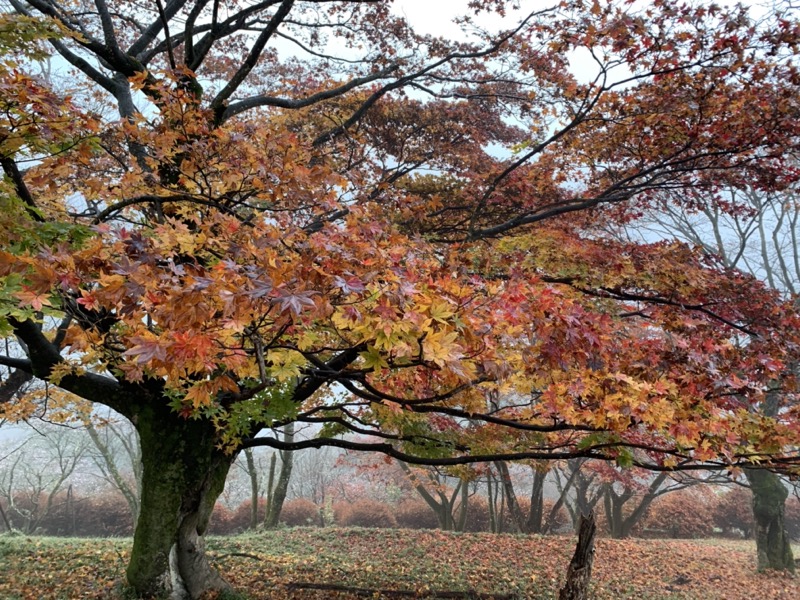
(165, 23)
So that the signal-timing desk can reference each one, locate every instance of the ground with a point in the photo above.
(406, 564)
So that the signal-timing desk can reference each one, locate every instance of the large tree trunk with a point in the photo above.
(184, 474)
(772, 541)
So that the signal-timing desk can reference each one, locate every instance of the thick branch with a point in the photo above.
(12, 172)
(221, 99)
(44, 356)
(151, 33)
(248, 103)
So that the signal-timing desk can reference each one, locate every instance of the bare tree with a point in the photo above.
(116, 456)
(35, 475)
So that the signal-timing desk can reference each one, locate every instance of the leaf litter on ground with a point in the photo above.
(343, 564)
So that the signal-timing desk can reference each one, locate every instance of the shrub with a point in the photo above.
(221, 521)
(300, 512)
(415, 514)
(478, 515)
(240, 518)
(364, 513)
(102, 515)
(733, 512)
(683, 514)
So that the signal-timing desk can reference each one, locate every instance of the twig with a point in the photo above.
(241, 554)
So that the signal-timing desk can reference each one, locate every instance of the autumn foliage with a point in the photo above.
(364, 513)
(683, 514)
(301, 512)
(396, 236)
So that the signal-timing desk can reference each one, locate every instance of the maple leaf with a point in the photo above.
(441, 347)
(145, 350)
(33, 298)
(373, 359)
(88, 300)
(295, 302)
(349, 284)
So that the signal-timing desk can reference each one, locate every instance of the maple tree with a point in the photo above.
(760, 238)
(212, 230)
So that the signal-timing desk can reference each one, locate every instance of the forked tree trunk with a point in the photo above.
(772, 542)
(518, 517)
(184, 474)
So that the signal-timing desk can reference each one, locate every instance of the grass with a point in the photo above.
(266, 565)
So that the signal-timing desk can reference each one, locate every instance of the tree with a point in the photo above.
(637, 490)
(277, 490)
(220, 230)
(33, 482)
(538, 519)
(760, 238)
(117, 457)
(449, 504)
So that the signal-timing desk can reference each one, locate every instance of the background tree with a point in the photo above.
(255, 227)
(37, 481)
(117, 457)
(450, 503)
(759, 237)
(277, 489)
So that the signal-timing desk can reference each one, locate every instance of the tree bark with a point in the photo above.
(253, 474)
(184, 474)
(277, 496)
(535, 520)
(772, 542)
(579, 572)
(518, 517)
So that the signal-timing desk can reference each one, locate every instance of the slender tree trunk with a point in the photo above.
(130, 494)
(772, 542)
(5, 518)
(492, 499)
(253, 474)
(184, 474)
(644, 504)
(517, 516)
(461, 521)
(535, 520)
(277, 496)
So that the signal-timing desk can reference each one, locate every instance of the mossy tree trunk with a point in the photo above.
(769, 499)
(184, 474)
